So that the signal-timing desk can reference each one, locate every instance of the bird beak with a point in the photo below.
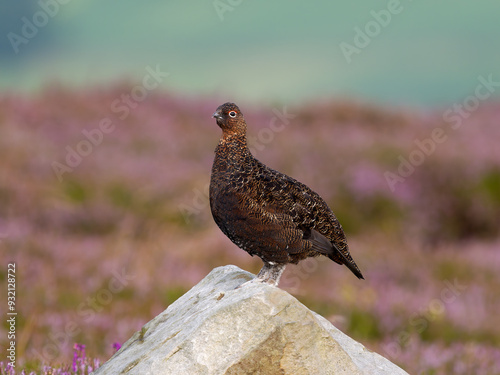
(217, 115)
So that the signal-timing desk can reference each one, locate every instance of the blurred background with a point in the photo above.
(389, 110)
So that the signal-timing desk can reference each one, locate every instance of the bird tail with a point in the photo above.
(325, 246)
(354, 269)
(347, 260)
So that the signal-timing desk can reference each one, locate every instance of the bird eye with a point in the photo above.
(232, 114)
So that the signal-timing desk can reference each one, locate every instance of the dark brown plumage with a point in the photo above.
(265, 212)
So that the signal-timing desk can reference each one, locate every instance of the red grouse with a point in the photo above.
(265, 212)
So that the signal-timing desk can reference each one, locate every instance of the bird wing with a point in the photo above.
(270, 232)
(256, 228)
(332, 241)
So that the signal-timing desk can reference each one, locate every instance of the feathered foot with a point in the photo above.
(270, 273)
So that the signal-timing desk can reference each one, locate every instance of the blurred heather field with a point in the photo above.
(105, 244)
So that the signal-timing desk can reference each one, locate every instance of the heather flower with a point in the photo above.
(123, 200)
(78, 356)
(116, 346)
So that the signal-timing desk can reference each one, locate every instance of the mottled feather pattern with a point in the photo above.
(265, 212)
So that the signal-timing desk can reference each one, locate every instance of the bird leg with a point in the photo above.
(271, 273)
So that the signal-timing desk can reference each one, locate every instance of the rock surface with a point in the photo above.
(257, 329)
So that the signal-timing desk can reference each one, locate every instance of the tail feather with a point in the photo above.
(348, 262)
(325, 246)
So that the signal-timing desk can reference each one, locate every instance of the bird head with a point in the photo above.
(230, 119)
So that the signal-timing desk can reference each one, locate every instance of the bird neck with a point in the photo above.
(234, 147)
(230, 139)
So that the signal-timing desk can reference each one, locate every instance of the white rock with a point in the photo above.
(257, 329)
